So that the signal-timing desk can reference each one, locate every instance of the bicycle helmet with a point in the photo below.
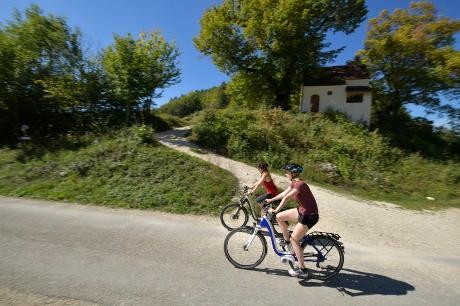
(294, 168)
(262, 166)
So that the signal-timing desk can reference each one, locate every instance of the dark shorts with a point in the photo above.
(309, 220)
(263, 197)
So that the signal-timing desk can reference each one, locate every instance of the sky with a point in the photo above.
(178, 21)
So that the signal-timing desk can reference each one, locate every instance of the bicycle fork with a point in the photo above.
(251, 238)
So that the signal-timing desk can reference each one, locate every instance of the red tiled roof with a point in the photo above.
(349, 72)
(336, 75)
(357, 88)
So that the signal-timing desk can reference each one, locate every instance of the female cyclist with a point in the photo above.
(266, 180)
(306, 214)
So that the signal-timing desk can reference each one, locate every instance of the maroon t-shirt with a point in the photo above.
(305, 199)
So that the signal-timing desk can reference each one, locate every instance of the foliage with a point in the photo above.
(119, 171)
(183, 106)
(213, 98)
(333, 150)
(272, 42)
(39, 57)
(412, 58)
(142, 134)
(137, 69)
(48, 83)
(170, 121)
(419, 178)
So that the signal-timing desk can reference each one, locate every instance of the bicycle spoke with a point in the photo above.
(324, 258)
(243, 249)
(233, 216)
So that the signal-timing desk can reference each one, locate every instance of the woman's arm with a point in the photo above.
(280, 196)
(259, 182)
(292, 193)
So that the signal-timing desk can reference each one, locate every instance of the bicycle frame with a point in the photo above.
(265, 222)
(245, 198)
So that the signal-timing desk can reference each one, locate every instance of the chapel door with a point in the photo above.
(314, 104)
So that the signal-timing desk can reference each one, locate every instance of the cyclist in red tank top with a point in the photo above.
(270, 188)
(266, 180)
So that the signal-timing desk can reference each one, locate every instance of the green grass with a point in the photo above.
(119, 172)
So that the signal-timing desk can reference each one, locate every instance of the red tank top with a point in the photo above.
(270, 188)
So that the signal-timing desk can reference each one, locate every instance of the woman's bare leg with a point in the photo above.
(283, 217)
(299, 232)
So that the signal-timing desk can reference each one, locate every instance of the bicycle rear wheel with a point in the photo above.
(234, 216)
(323, 257)
(244, 250)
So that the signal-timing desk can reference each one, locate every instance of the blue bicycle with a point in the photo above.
(246, 248)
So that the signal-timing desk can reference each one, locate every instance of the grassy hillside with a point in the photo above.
(334, 152)
(122, 171)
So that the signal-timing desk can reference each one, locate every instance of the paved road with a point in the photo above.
(68, 254)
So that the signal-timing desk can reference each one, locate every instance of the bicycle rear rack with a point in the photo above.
(330, 235)
(334, 236)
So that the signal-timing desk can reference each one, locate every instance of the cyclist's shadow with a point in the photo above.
(358, 283)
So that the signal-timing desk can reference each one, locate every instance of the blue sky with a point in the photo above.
(178, 20)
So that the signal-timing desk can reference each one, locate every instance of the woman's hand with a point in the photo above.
(272, 211)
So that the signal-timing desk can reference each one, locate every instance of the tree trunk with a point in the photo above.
(282, 101)
(283, 92)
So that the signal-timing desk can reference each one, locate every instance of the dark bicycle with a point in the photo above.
(235, 215)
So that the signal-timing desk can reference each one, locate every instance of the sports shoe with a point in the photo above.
(298, 272)
(283, 243)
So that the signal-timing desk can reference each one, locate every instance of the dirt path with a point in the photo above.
(364, 225)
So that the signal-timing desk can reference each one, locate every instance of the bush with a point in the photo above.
(170, 120)
(213, 132)
(142, 134)
(332, 149)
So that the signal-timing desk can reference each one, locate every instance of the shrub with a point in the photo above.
(142, 134)
(332, 149)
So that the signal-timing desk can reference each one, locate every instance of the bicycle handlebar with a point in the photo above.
(265, 207)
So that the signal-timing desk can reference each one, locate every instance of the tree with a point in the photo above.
(36, 51)
(411, 56)
(212, 98)
(270, 46)
(138, 69)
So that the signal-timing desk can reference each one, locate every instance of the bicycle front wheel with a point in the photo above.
(243, 249)
(323, 257)
(234, 216)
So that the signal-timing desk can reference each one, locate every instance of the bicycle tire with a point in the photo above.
(230, 216)
(234, 248)
(326, 265)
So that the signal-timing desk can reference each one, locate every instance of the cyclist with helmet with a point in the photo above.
(306, 214)
(266, 180)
